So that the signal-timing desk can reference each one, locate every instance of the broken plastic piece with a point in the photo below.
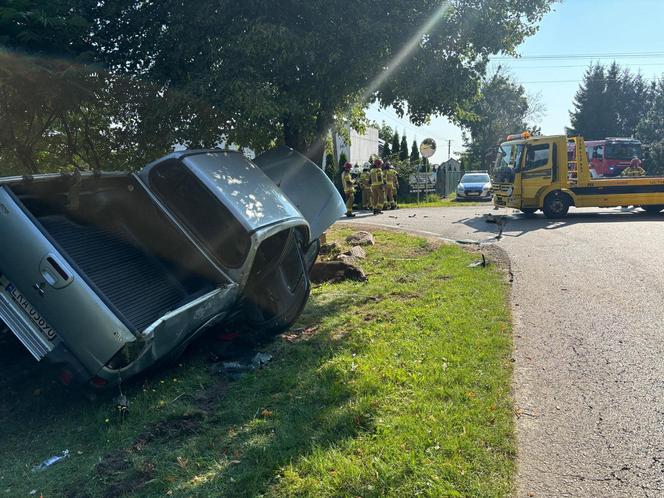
(261, 359)
(51, 461)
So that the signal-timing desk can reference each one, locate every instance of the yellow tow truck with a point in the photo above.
(551, 173)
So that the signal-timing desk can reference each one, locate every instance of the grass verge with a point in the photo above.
(450, 201)
(395, 387)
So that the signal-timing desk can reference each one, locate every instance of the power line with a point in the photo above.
(585, 65)
(617, 55)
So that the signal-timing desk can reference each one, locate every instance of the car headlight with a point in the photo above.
(460, 188)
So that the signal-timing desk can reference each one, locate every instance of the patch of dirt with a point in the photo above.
(430, 246)
(113, 463)
(404, 296)
(168, 428)
(129, 485)
(116, 470)
(207, 399)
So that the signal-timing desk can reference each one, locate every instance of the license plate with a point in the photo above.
(34, 315)
(473, 193)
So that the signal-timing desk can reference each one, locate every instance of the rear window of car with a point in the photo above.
(201, 212)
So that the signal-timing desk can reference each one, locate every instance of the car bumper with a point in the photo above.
(467, 196)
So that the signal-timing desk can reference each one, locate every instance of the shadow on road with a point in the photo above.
(518, 224)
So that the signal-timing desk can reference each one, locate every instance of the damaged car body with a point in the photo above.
(109, 274)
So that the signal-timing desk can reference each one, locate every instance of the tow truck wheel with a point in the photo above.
(556, 205)
(653, 209)
(528, 211)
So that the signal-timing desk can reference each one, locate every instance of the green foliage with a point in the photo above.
(414, 152)
(610, 102)
(403, 149)
(47, 27)
(395, 143)
(501, 108)
(257, 75)
(385, 152)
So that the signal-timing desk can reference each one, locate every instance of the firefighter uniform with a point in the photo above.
(633, 171)
(365, 184)
(348, 185)
(377, 187)
(634, 168)
(391, 186)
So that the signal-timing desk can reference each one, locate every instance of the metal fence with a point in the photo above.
(447, 178)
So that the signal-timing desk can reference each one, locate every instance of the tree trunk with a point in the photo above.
(295, 138)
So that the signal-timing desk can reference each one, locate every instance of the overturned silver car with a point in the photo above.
(109, 274)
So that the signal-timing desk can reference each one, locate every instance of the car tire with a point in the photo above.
(556, 205)
(528, 211)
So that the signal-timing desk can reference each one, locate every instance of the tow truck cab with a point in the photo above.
(533, 173)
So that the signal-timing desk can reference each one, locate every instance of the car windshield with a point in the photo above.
(623, 152)
(476, 178)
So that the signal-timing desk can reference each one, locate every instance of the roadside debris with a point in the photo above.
(335, 272)
(361, 238)
(122, 405)
(51, 461)
(301, 334)
(412, 215)
(481, 262)
(261, 359)
(237, 369)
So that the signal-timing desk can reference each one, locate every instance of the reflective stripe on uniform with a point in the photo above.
(376, 177)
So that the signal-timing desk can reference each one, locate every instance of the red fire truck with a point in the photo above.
(609, 157)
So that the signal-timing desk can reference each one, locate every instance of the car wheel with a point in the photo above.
(556, 205)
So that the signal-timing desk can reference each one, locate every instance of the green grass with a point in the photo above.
(433, 201)
(402, 390)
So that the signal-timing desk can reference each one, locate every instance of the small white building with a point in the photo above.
(361, 148)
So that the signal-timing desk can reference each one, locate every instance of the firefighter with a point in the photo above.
(348, 185)
(365, 184)
(634, 168)
(391, 185)
(377, 186)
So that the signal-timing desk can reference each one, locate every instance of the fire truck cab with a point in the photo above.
(533, 173)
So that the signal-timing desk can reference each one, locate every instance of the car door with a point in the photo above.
(536, 172)
(306, 185)
(43, 299)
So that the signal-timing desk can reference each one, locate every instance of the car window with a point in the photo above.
(201, 212)
(475, 179)
(536, 156)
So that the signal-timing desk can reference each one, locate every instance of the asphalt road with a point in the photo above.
(589, 344)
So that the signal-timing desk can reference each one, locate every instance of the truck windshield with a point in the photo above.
(622, 152)
(508, 161)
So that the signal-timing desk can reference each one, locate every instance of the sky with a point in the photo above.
(553, 61)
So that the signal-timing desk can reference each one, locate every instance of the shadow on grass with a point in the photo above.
(248, 430)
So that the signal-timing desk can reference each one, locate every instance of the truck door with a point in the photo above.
(536, 173)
